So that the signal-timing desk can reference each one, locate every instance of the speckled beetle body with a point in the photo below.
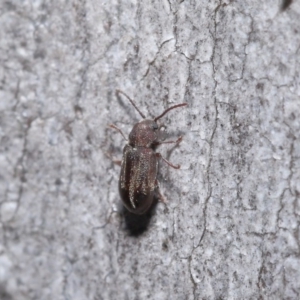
(138, 183)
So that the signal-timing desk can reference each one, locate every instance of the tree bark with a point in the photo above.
(231, 226)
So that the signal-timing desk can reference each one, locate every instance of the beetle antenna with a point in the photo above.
(132, 102)
(167, 110)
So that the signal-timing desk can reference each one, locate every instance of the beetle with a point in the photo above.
(139, 166)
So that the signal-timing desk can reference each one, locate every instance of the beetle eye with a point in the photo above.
(154, 126)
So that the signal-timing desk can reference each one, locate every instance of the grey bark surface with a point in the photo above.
(231, 227)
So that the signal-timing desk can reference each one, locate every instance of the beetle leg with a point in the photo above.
(172, 142)
(118, 129)
(159, 194)
(115, 161)
(167, 162)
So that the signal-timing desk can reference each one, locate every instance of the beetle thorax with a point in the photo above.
(144, 134)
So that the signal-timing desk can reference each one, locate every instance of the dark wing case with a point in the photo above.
(137, 178)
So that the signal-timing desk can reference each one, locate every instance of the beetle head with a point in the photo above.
(144, 134)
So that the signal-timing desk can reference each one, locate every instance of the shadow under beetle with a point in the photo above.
(137, 182)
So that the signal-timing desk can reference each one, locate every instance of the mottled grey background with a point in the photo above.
(231, 228)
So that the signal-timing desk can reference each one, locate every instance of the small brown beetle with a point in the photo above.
(138, 183)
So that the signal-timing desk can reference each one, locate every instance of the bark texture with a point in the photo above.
(231, 227)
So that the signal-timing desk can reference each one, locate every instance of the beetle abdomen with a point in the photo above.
(137, 178)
